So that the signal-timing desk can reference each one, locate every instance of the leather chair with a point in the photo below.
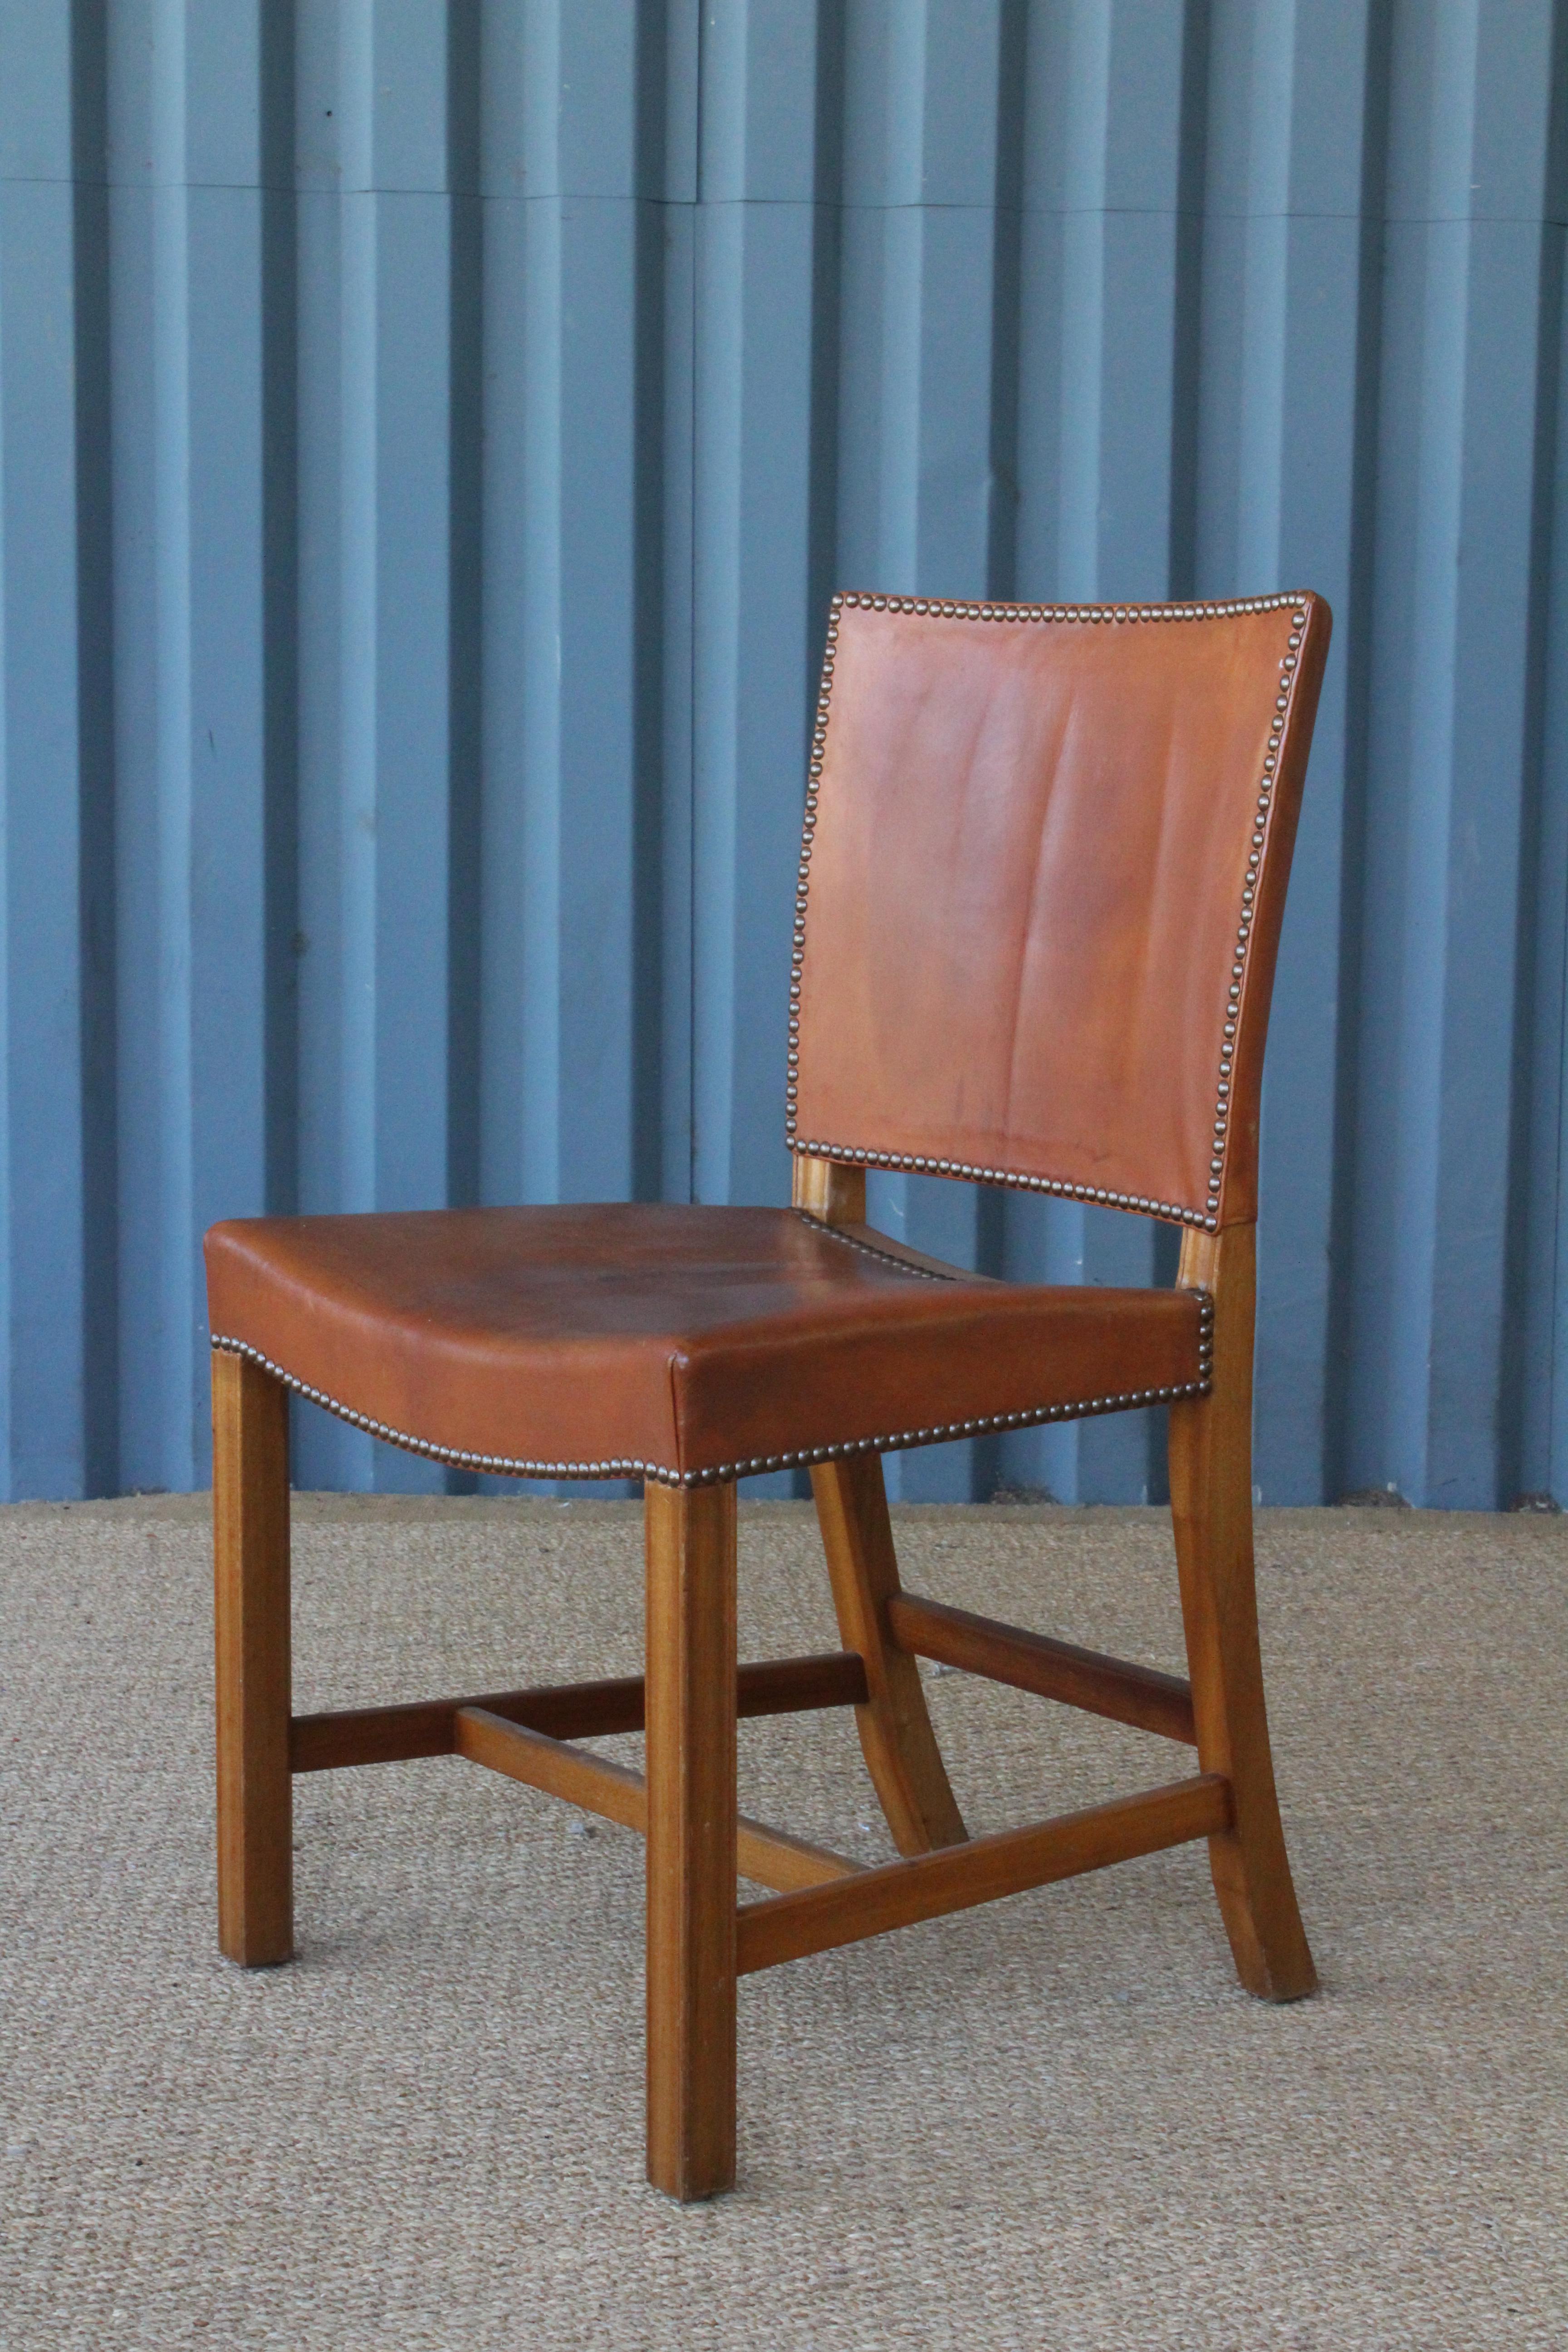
(1044, 868)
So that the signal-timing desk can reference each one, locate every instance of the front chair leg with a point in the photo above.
(691, 1833)
(250, 1555)
(1211, 1505)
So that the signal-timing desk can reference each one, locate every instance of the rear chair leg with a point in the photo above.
(250, 1549)
(691, 1836)
(1211, 1505)
(901, 1750)
(899, 1746)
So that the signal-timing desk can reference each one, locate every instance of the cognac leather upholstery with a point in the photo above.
(1041, 889)
(1043, 872)
(679, 1343)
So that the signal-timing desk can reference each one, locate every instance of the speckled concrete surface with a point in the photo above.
(1051, 2122)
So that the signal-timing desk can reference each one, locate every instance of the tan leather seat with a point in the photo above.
(1042, 877)
(674, 1343)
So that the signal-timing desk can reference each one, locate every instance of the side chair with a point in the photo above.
(1043, 872)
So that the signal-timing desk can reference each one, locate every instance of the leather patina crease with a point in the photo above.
(1261, 789)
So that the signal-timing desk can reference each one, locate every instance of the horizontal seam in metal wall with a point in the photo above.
(816, 204)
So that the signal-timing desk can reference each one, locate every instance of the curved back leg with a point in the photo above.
(896, 1735)
(1211, 1506)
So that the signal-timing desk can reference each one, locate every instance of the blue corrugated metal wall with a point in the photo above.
(429, 433)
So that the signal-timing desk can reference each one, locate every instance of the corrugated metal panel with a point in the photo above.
(428, 437)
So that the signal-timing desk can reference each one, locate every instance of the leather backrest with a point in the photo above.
(1043, 873)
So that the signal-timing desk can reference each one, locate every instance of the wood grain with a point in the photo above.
(1140, 1696)
(1211, 1507)
(828, 1190)
(894, 1723)
(691, 1838)
(251, 1582)
(896, 1735)
(771, 1857)
(595, 1782)
(391, 1734)
(788, 1927)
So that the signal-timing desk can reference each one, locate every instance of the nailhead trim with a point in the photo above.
(503, 1465)
(897, 1441)
(916, 1163)
(868, 1249)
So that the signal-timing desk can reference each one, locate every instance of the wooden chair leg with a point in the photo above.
(250, 1552)
(1211, 1504)
(896, 1735)
(691, 1836)
(901, 1754)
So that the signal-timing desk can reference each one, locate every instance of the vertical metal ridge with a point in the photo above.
(95, 1078)
(280, 680)
(1321, 1469)
(464, 597)
(43, 1149)
(1534, 1416)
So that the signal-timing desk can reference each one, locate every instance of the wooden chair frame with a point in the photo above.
(699, 1942)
